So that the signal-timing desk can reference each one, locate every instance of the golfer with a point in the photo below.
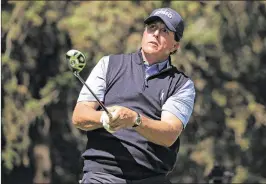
(150, 101)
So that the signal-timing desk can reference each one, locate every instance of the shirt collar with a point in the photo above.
(160, 65)
(137, 57)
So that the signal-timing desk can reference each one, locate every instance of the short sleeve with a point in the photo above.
(96, 81)
(181, 103)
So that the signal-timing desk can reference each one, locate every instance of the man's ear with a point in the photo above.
(175, 46)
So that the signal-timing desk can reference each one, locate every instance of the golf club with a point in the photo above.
(76, 62)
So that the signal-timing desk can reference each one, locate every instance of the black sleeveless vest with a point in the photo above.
(126, 153)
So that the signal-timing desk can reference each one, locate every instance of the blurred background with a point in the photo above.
(223, 51)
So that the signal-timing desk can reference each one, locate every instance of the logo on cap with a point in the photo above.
(164, 12)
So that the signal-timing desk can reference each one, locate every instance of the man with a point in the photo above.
(150, 102)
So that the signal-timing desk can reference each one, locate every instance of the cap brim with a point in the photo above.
(166, 22)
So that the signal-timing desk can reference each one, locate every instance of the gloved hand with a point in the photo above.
(105, 120)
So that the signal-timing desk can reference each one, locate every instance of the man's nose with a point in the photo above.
(156, 32)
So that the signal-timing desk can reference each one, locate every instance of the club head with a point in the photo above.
(76, 60)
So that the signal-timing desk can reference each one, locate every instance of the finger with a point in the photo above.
(115, 117)
(112, 108)
(115, 123)
(118, 123)
(107, 127)
(117, 127)
(104, 117)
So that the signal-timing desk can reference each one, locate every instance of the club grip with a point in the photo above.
(109, 115)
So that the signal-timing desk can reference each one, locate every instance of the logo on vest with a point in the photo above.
(164, 12)
(162, 94)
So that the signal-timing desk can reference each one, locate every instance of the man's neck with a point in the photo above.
(151, 58)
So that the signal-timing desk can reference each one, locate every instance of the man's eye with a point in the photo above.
(165, 30)
(152, 26)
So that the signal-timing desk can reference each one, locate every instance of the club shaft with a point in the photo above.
(100, 103)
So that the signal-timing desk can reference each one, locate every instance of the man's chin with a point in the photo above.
(150, 50)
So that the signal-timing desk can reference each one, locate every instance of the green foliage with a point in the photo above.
(223, 51)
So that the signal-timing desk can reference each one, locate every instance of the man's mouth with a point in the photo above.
(154, 43)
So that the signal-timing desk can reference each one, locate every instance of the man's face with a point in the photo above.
(158, 40)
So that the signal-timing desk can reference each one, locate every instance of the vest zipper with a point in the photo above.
(145, 80)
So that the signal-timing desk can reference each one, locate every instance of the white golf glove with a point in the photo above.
(105, 122)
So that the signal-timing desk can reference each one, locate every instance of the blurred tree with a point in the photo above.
(36, 79)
